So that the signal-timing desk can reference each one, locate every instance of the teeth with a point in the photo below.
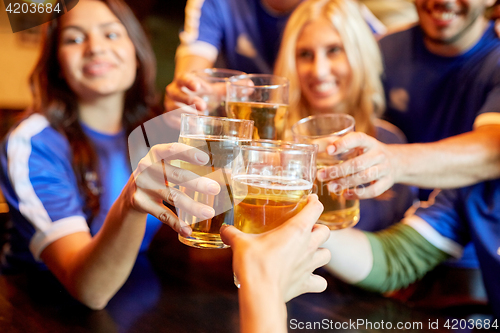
(323, 86)
(443, 15)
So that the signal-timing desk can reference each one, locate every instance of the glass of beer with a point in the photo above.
(217, 137)
(322, 130)
(270, 183)
(262, 98)
(213, 89)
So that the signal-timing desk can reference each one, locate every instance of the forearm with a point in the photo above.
(382, 261)
(401, 256)
(262, 309)
(351, 255)
(189, 63)
(94, 269)
(454, 162)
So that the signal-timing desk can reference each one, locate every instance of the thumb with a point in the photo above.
(350, 141)
(228, 234)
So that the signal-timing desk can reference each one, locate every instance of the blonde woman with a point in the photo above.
(332, 60)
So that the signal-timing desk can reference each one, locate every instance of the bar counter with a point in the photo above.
(178, 289)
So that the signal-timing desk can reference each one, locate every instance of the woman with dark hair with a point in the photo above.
(76, 210)
(65, 168)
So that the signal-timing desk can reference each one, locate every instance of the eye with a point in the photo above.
(112, 35)
(334, 49)
(305, 55)
(73, 40)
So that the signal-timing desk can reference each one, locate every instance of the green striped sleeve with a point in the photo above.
(400, 256)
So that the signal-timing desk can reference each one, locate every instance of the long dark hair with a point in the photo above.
(54, 99)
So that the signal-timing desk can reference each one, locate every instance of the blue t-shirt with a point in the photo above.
(40, 187)
(243, 32)
(245, 35)
(430, 97)
(470, 214)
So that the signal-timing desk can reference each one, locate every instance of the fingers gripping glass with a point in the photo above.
(212, 89)
(217, 137)
(271, 181)
(322, 130)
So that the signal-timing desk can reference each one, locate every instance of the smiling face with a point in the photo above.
(456, 23)
(96, 55)
(323, 70)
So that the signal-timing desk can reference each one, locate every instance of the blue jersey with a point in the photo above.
(470, 214)
(430, 97)
(40, 187)
(243, 33)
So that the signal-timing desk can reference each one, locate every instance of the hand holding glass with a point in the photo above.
(212, 89)
(217, 137)
(270, 184)
(322, 130)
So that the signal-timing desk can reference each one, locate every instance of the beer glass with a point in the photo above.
(262, 98)
(270, 183)
(322, 130)
(213, 89)
(217, 137)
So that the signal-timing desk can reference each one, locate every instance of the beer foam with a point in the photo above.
(274, 182)
(214, 137)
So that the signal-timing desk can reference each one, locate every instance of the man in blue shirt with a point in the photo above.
(443, 89)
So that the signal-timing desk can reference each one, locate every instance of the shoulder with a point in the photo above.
(207, 7)
(399, 36)
(35, 137)
(388, 133)
(36, 127)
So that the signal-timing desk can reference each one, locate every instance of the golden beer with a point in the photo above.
(206, 232)
(339, 213)
(263, 203)
(269, 119)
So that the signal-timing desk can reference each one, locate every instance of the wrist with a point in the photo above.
(261, 309)
(399, 161)
(255, 276)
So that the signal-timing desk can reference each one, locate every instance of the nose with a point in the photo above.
(320, 65)
(95, 44)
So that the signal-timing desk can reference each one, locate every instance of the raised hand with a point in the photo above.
(152, 176)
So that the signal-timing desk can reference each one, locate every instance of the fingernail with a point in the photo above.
(185, 231)
(332, 187)
(349, 194)
(207, 213)
(201, 157)
(330, 150)
(213, 189)
(164, 217)
(322, 174)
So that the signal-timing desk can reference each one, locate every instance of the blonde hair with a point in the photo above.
(365, 99)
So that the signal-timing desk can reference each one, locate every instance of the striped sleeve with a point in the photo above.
(400, 257)
(203, 31)
(41, 176)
